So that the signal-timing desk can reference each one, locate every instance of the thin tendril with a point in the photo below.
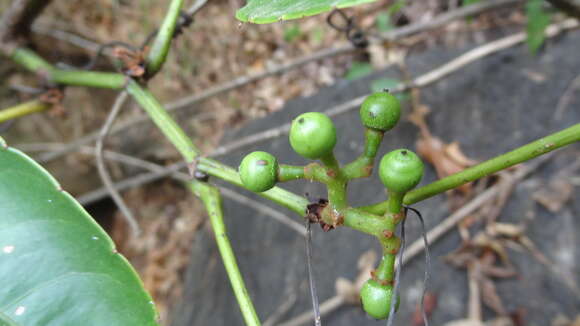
(427, 264)
(315, 305)
(398, 268)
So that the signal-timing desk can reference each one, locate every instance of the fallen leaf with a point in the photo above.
(555, 195)
(490, 296)
(447, 159)
(429, 304)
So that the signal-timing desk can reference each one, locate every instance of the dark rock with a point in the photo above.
(490, 107)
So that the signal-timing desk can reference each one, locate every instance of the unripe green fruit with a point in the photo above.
(259, 171)
(312, 135)
(376, 299)
(401, 170)
(380, 111)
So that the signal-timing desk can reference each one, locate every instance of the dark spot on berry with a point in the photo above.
(301, 120)
(404, 152)
(372, 114)
(262, 162)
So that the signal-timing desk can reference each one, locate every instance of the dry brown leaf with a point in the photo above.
(555, 195)
(576, 321)
(447, 159)
(454, 152)
(560, 320)
(429, 304)
(490, 296)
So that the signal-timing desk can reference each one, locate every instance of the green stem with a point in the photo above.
(386, 270)
(290, 172)
(33, 62)
(88, 78)
(162, 42)
(330, 161)
(164, 121)
(527, 152)
(395, 202)
(23, 109)
(359, 220)
(30, 60)
(211, 198)
(336, 184)
(188, 150)
(278, 195)
(363, 166)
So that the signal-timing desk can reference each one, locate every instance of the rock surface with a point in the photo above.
(490, 107)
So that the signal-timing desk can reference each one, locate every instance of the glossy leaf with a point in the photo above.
(538, 20)
(270, 11)
(57, 265)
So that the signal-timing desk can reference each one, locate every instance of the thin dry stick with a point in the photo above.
(104, 174)
(474, 304)
(195, 7)
(326, 307)
(396, 34)
(566, 98)
(259, 207)
(282, 310)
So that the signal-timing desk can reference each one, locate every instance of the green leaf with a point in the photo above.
(469, 19)
(292, 33)
(358, 70)
(384, 23)
(396, 7)
(379, 85)
(270, 11)
(385, 18)
(538, 20)
(470, 2)
(57, 265)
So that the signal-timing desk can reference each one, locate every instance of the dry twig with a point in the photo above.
(104, 174)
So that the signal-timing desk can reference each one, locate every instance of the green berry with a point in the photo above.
(259, 171)
(401, 170)
(313, 135)
(380, 111)
(376, 299)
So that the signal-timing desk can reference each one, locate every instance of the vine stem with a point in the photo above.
(33, 62)
(521, 154)
(23, 109)
(158, 53)
(211, 198)
(163, 121)
(190, 152)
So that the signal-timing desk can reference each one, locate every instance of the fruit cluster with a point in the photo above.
(313, 136)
